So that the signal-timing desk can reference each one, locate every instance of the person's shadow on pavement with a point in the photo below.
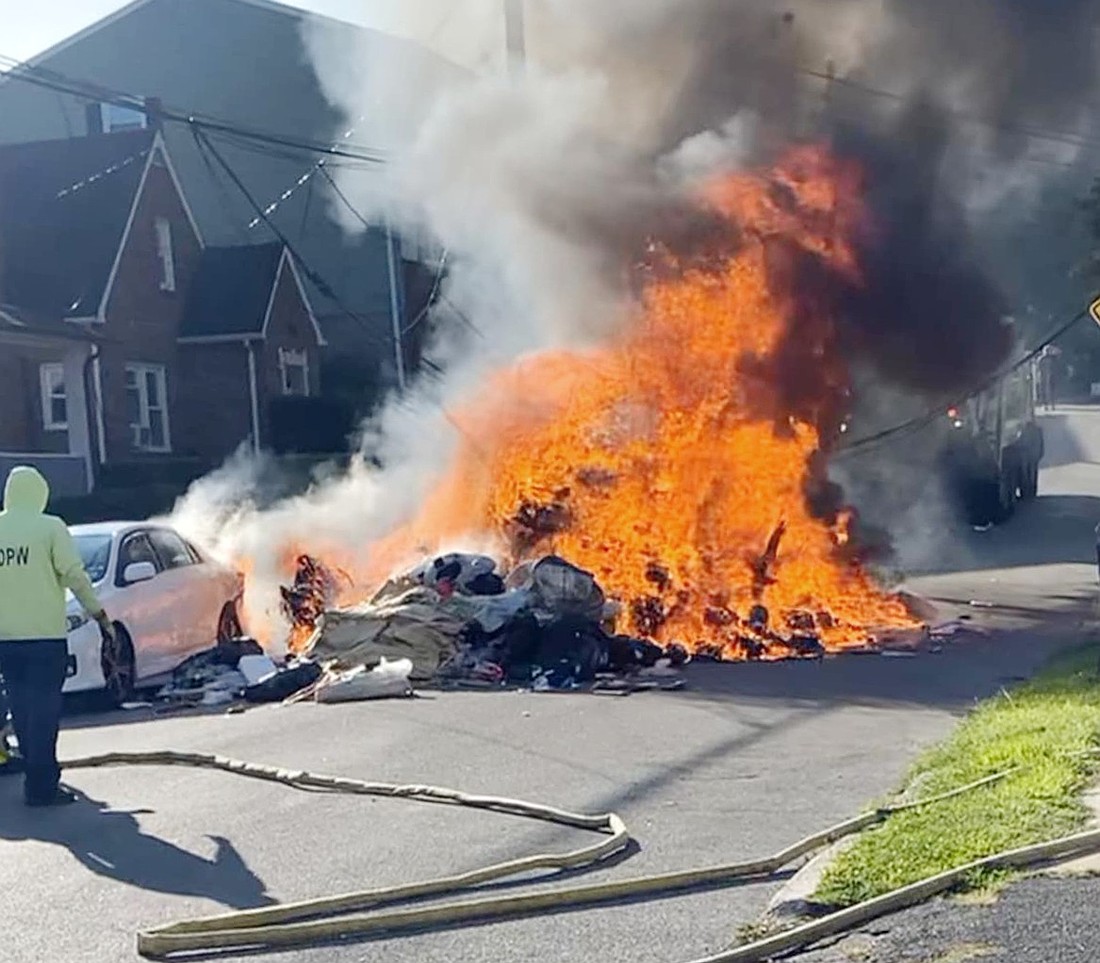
(111, 843)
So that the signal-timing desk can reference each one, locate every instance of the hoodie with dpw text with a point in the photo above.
(38, 561)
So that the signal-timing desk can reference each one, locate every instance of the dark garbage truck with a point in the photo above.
(992, 448)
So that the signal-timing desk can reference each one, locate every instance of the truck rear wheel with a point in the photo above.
(1006, 494)
(991, 502)
(981, 501)
(1029, 484)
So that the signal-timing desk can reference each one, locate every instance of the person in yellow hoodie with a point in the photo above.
(38, 562)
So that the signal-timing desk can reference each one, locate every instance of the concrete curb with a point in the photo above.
(794, 899)
(1082, 865)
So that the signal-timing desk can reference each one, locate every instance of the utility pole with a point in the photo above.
(396, 314)
(515, 34)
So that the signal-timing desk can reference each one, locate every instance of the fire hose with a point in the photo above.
(311, 921)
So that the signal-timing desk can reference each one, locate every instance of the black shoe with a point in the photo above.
(61, 797)
(13, 766)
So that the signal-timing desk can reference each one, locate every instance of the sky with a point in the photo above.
(27, 28)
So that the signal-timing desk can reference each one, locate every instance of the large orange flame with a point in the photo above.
(669, 462)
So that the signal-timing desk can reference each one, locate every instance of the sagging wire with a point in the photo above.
(61, 83)
(305, 178)
(315, 278)
(94, 178)
(86, 90)
(913, 425)
(440, 271)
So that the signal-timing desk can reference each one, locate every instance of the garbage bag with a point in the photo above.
(493, 612)
(562, 589)
(469, 574)
(571, 649)
(625, 653)
(385, 680)
(283, 683)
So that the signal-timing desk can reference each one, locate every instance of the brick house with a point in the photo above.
(151, 48)
(122, 337)
(247, 336)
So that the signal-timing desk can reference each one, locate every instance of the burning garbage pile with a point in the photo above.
(683, 463)
(454, 620)
(676, 473)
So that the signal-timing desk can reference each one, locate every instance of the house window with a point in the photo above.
(294, 372)
(117, 118)
(55, 406)
(147, 407)
(164, 251)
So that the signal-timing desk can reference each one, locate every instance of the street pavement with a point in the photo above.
(1035, 921)
(747, 760)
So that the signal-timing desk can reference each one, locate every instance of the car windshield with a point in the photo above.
(95, 553)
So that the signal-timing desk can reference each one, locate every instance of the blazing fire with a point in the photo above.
(672, 462)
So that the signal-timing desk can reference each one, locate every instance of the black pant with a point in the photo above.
(34, 674)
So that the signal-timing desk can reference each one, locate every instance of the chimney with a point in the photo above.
(515, 33)
(93, 115)
(154, 113)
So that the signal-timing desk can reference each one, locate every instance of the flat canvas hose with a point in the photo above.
(310, 921)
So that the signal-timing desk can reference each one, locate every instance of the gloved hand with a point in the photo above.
(106, 626)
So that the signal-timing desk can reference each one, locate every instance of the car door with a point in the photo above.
(144, 608)
(192, 625)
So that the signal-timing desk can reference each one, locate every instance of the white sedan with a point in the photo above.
(168, 601)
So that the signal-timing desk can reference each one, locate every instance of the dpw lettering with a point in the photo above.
(15, 556)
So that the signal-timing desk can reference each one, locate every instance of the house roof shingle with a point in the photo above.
(231, 291)
(64, 205)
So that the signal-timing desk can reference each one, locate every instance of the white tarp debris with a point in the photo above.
(386, 680)
(255, 667)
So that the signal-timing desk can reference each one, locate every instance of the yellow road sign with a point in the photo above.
(1094, 310)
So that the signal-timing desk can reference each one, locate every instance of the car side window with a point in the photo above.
(171, 549)
(135, 548)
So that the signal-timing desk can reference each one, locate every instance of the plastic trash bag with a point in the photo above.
(386, 680)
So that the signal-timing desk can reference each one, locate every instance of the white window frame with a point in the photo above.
(160, 373)
(51, 376)
(162, 227)
(115, 117)
(293, 358)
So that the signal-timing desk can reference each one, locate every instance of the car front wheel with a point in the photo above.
(119, 673)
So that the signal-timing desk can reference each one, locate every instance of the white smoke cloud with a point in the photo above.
(515, 177)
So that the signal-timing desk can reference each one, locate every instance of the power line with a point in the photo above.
(106, 172)
(208, 149)
(922, 421)
(344, 200)
(220, 187)
(85, 90)
(1037, 133)
(303, 179)
(54, 80)
(439, 271)
(318, 281)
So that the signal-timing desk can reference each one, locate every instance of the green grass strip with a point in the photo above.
(1047, 727)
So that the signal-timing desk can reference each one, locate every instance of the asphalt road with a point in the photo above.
(747, 760)
(1034, 921)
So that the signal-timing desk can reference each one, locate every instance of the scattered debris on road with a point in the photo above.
(458, 623)
(454, 621)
